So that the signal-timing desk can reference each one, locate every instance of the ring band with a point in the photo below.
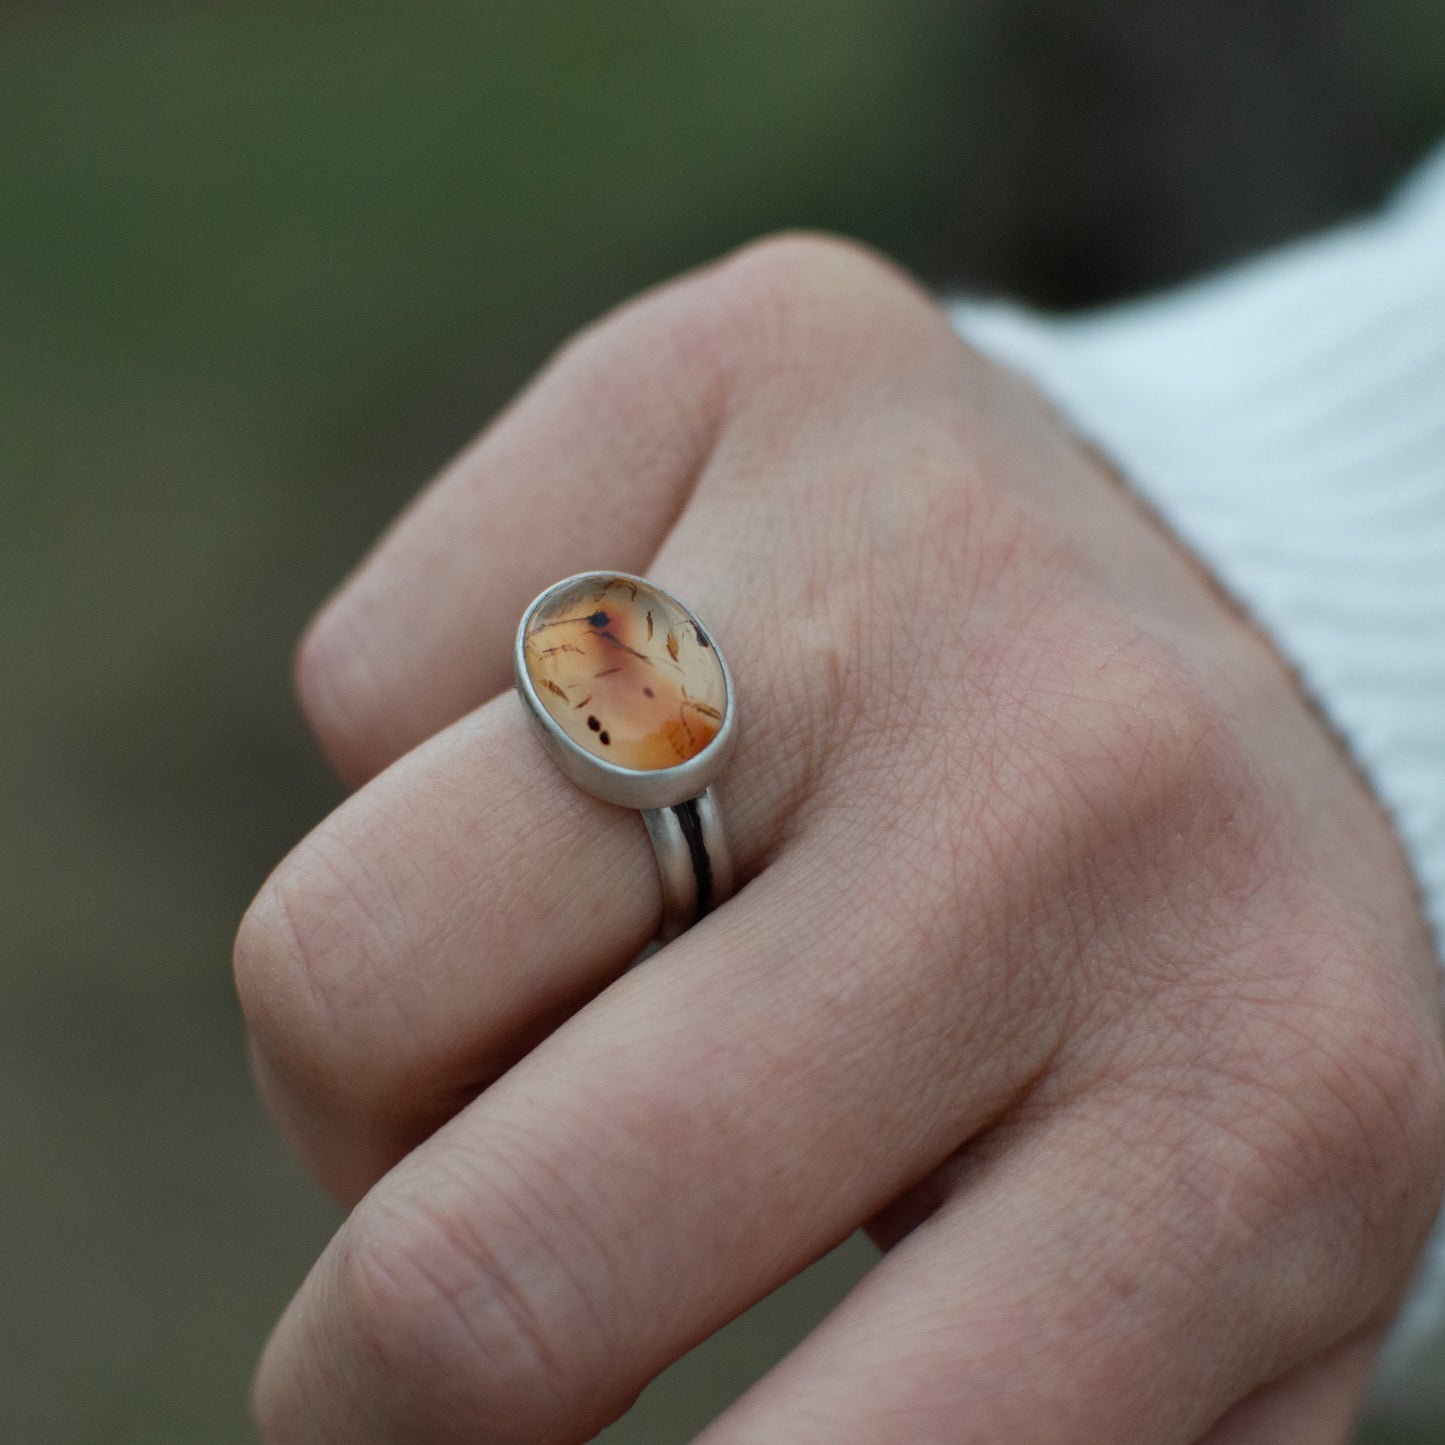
(692, 859)
(634, 701)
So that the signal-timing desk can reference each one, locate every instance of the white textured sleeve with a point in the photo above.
(1287, 419)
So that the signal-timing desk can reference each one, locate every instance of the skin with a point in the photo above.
(1073, 957)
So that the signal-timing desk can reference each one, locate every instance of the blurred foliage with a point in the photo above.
(262, 267)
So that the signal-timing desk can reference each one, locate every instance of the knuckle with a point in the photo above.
(339, 691)
(1167, 728)
(791, 303)
(462, 1340)
(1332, 1087)
(1140, 750)
(1374, 1090)
(265, 961)
(298, 953)
(1300, 1141)
(790, 263)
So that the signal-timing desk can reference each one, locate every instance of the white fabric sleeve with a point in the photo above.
(1287, 419)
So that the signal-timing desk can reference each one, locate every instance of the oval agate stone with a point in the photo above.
(625, 672)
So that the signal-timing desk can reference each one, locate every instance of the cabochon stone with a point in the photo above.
(626, 673)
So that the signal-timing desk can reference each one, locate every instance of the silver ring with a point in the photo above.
(634, 701)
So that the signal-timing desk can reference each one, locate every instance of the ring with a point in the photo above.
(635, 703)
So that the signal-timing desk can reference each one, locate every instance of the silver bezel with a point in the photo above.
(628, 787)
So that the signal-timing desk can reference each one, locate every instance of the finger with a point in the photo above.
(447, 917)
(1317, 1404)
(500, 915)
(700, 1132)
(587, 469)
(1079, 1286)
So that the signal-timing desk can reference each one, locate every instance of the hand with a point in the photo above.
(1074, 956)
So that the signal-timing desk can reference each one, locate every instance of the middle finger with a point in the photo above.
(438, 924)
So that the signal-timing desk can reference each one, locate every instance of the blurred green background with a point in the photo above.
(262, 268)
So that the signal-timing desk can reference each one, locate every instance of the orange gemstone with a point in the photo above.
(626, 673)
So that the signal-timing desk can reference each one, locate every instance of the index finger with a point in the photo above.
(588, 468)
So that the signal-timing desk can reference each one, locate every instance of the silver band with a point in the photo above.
(693, 861)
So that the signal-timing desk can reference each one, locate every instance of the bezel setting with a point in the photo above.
(627, 787)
